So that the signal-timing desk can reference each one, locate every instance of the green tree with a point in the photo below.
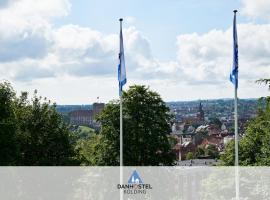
(190, 156)
(43, 136)
(91, 150)
(212, 151)
(146, 126)
(215, 121)
(254, 148)
(200, 151)
(8, 142)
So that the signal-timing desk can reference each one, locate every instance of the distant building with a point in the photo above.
(200, 113)
(216, 141)
(97, 108)
(81, 117)
(181, 150)
(196, 118)
(86, 117)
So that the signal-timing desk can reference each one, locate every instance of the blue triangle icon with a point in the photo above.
(135, 178)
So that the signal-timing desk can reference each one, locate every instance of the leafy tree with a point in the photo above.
(8, 142)
(215, 121)
(200, 151)
(211, 151)
(172, 141)
(83, 132)
(190, 156)
(43, 136)
(146, 128)
(91, 151)
(254, 148)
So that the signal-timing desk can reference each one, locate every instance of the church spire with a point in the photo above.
(200, 107)
(200, 114)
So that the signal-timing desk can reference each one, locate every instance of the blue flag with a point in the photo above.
(234, 72)
(121, 67)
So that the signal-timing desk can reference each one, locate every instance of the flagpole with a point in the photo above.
(121, 117)
(121, 147)
(237, 189)
(236, 117)
(236, 138)
(121, 134)
(236, 126)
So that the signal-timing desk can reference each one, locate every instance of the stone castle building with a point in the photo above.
(86, 117)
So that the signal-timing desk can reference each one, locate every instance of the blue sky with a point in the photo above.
(68, 49)
(156, 19)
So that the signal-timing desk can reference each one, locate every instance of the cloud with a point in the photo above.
(207, 58)
(83, 51)
(256, 8)
(31, 47)
(38, 8)
(25, 27)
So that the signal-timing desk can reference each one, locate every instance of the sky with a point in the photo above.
(68, 49)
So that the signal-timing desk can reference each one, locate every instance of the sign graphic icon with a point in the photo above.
(135, 178)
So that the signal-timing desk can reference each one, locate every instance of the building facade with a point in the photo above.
(81, 117)
(86, 117)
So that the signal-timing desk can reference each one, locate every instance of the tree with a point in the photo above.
(146, 126)
(200, 151)
(254, 148)
(8, 142)
(215, 121)
(43, 136)
(211, 151)
(190, 156)
(91, 150)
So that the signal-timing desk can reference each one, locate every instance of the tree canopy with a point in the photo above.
(254, 148)
(146, 126)
(8, 142)
(32, 132)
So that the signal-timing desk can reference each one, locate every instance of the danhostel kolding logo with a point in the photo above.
(135, 185)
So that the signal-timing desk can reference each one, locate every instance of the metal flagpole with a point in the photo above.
(237, 190)
(121, 119)
(235, 93)
(234, 80)
(236, 126)
(236, 138)
(121, 133)
(121, 146)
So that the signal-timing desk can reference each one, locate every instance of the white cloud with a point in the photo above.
(25, 27)
(256, 8)
(207, 58)
(32, 48)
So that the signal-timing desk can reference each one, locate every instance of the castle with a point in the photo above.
(86, 117)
